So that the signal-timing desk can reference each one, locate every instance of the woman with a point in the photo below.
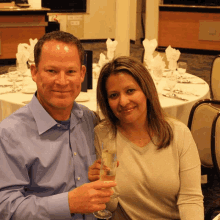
(159, 172)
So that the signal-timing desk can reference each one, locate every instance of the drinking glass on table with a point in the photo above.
(13, 74)
(171, 81)
(107, 173)
(181, 67)
(157, 75)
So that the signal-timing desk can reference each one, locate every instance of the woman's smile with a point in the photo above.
(129, 110)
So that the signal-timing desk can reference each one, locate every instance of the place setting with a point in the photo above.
(10, 79)
(176, 89)
(172, 81)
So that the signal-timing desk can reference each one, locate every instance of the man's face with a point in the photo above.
(59, 76)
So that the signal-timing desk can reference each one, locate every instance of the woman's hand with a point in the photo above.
(94, 170)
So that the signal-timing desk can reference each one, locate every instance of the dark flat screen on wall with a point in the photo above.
(65, 5)
(193, 2)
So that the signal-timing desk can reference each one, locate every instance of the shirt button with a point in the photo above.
(74, 153)
(78, 178)
(58, 125)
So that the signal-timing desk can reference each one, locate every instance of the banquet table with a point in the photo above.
(10, 102)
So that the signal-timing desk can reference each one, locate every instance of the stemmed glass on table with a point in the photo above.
(13, 74)
(107, 173)
(157, 75)
(171, 80)
(181, 67)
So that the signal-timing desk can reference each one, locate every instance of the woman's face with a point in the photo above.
(126, 99)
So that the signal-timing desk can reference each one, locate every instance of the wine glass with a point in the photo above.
(13, 74)
(22, 68)
(157, 75)
(181, 67)
(107, 173)
(171, 80)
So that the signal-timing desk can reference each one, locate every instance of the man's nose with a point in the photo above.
(62, 78)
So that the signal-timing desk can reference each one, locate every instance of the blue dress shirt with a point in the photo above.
(41, 160)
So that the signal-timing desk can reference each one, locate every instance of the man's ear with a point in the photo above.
(34, 72)
(83, 73)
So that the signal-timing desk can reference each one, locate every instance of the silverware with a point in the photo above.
(177, 91)
(189, 82)
(5, 86)
(174, 96)
(2, 93)
(17, 90)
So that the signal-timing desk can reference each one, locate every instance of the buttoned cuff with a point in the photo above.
(59, 206)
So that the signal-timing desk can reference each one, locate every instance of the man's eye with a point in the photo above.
(71, 71)
(51, 71)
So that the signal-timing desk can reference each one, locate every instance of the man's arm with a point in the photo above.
(18, 203)
(16, 200)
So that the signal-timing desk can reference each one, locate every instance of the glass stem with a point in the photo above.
(13, 86)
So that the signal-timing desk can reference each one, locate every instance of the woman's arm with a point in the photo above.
(190, 198)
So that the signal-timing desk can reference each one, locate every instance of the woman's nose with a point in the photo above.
(123, 101)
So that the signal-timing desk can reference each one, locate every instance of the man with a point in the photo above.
(46, 147)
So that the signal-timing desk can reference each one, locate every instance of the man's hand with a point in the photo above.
(94, 170)
(90, 197)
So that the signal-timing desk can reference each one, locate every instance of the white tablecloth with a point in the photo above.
(181, 109)
(176, 108)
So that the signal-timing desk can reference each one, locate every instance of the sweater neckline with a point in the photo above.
(141, 150)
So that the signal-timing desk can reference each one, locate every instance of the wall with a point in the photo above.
(98, 22)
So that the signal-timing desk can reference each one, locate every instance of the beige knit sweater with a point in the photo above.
(152, 184)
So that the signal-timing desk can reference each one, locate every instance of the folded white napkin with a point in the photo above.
(22, 54)
(111, 46)
(172, 56)
(158, 63)
(25, 53)
(149, 46)
(22, 57)
(102, 60)
(31, 48)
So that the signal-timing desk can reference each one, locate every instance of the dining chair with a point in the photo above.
(202, 116)
(215, 148)
(215, 78)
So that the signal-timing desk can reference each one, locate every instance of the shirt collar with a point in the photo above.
(43, 119)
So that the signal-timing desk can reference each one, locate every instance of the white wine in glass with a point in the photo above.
(107, 173)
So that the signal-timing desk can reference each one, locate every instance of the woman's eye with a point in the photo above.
(112, 96)
(130, 90)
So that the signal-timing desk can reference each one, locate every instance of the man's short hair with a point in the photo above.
(58, 36)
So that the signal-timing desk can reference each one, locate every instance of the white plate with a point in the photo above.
(29, 90)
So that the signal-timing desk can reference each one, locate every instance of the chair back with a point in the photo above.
(215, 142)
(215, 79)
(201, 118)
